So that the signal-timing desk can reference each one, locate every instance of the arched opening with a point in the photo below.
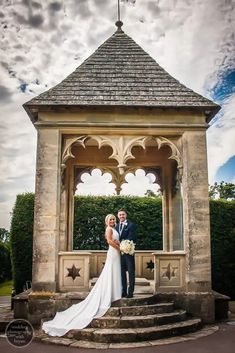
(124, 166)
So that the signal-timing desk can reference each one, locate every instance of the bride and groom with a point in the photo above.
(110, 286)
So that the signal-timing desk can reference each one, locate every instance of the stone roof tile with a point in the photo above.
(120, 73)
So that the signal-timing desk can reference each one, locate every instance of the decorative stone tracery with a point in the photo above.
(122, 152)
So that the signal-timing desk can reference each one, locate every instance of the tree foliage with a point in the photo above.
(222, 190)
(21, 235)
(5, 261)
(4, 235)
(223, 246)
(5, 256)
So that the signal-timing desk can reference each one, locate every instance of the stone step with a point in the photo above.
(150, 309)
(143, 290)
(135, 301)
(138, 321)
(143, 282)
(117, 335)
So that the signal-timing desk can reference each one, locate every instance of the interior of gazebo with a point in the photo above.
(117, 155)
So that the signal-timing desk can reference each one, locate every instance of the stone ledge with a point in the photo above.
(205, 331)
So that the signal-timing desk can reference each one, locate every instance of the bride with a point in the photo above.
(107, 289)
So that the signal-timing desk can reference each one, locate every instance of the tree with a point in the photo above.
(222, 190)
(151, 193)
(4, 235)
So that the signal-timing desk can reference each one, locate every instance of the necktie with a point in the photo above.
(121, 227)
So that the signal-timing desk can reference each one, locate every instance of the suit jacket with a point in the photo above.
(128, 231)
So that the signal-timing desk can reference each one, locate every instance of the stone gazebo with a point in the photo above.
(120, 111)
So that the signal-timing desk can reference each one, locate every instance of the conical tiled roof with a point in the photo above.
(121, 73)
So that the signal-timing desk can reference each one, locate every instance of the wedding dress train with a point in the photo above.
(107, 289)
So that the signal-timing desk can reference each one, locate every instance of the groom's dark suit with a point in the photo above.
(127, 261)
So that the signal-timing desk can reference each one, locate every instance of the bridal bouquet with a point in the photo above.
(127, 247)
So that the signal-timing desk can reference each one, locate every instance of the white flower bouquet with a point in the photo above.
(127, 247)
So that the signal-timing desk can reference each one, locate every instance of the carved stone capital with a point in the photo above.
(122, 146)
(176, 155)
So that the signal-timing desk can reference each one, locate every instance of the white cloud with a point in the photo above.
(137, 184)
(97, 183)
(220, 138)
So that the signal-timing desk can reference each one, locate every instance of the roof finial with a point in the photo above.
(119, 23)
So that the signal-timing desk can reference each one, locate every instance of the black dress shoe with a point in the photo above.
(129, 296)
(124, 295)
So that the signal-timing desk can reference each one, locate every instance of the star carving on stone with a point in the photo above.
(170, 271)
(73, 272)
(150, 265)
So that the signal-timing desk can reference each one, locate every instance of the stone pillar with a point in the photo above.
(70, 208)
(196, 212)
(167, 239)
(176, 217)
(46, 214)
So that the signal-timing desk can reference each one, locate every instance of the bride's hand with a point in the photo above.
(117, 241)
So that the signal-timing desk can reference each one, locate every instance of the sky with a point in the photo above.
(43, 41)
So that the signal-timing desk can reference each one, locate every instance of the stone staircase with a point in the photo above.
(137, 319)
(143, 286)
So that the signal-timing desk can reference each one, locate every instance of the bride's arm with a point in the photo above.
(109, 238)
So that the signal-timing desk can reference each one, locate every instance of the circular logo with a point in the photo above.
(19, 332)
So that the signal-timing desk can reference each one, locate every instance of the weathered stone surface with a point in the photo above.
(197, 304)
(88, 344)
(46, 206)
(138, 321)
(140, 309)
(196, 212)
(207, 330)
(58, 340)
(137, 334)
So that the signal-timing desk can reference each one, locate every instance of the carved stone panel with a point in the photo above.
(169, 271)
(74, 271)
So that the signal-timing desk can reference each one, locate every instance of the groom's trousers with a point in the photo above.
(128, 264)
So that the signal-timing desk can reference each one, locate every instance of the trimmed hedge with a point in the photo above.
(21, 240)
(5, 261)
(90, 212)
(222, 215)
(145, 212)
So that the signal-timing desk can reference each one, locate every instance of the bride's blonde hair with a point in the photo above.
(107, 219)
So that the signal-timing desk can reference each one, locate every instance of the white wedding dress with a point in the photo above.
(107, 289)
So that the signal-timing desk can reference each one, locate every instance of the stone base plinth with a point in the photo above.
(35, 306)
(199, 304)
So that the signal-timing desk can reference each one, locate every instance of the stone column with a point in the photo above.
(196, 212)
(46, 214)
(167, 243)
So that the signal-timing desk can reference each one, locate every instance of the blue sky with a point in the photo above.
(227, 171)
(43, 41)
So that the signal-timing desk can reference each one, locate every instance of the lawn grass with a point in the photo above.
(6, 287)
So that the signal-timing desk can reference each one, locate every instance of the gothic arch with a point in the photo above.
(122, 149)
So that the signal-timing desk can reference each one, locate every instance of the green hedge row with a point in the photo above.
(222, 215)
(90, 212)
(5, 261)
(145, 212)
(21, 240)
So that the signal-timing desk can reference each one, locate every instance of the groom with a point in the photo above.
(126, 230)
